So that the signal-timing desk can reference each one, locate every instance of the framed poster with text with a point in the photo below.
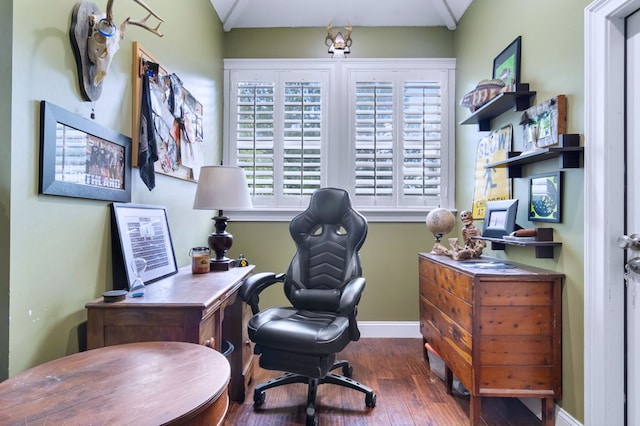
(491, 184)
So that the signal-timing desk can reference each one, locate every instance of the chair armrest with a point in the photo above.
(252, 287)
(351, 294)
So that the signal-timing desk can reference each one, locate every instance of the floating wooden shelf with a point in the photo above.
(568, 152)
(518, 100)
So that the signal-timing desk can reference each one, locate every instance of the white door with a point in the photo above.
(605, 375)
(632, 142)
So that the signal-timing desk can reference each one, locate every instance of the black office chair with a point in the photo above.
(324, 284)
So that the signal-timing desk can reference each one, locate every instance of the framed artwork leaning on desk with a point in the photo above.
(140, 231)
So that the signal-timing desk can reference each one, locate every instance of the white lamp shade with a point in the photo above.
(222, 188)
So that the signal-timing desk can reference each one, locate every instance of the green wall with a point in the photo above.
(60, 247)
(553, 64)
(367, 42)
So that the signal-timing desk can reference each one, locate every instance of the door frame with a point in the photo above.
(604, 39)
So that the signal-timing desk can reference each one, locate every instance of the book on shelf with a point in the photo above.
(515, 238)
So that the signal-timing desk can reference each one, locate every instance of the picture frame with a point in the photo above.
(500, 219)
(506, 66)
(545, 197)
(82, 159)
(140, 231)
(544, 123)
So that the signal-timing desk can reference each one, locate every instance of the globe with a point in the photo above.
(440, 222)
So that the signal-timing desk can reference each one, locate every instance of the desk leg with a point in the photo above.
(234, 330)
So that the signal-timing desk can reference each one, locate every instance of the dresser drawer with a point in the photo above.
(457, 309)
(508, 293)
(452, 343)
(454, 282)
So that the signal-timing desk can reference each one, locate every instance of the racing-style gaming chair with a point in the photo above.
(323, 284)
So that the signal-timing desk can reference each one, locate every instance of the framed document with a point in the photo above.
(140, 232)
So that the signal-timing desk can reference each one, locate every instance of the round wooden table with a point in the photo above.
(150, 383)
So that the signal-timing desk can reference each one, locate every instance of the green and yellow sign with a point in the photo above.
(491, 184)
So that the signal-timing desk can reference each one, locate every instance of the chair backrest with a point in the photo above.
(328, 236)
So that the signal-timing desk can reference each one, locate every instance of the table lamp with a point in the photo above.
(221, 188)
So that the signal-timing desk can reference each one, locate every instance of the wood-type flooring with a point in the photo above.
(408, 393)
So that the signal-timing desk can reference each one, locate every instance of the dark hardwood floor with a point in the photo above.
(408, 393)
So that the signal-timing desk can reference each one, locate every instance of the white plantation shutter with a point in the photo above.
(398, 139)
(254, 133)
(421, 139)
(374, 134)
(381, 129)
(302, 136)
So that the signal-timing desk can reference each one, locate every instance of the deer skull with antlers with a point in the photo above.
(339, 44)
(96, 39)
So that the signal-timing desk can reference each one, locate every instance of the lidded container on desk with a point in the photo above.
(200, 259)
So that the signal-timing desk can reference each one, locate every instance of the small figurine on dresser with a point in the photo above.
(472, 247)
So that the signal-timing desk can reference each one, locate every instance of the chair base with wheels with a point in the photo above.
(331, 378)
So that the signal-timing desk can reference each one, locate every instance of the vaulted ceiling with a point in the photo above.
(358, 13)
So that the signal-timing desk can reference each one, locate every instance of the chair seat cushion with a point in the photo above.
(301, 331)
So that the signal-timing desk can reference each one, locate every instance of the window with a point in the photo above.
(382, 129)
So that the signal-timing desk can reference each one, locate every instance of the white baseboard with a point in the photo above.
(562, 417)
(411, 329)
(389, 329)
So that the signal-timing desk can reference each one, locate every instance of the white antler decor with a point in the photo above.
(339, 44)
(95, 39)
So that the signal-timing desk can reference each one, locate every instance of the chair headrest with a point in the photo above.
(327, 207)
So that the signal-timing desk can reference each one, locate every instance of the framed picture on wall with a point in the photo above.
(80, 158)
(545, 197)
(506, 66)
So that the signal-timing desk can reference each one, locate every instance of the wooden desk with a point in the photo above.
(184, 307)
(498, 330)
(140, 383)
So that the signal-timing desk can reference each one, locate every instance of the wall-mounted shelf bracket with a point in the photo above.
(568, 151)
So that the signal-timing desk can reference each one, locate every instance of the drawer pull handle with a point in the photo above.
(210, 343)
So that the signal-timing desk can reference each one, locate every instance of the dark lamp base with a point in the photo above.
(221, 265)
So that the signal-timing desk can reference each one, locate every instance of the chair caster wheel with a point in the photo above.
(258, 398)
(370, 400)
(312, 420)
(347, 371)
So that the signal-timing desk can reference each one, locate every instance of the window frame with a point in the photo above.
(340, 105)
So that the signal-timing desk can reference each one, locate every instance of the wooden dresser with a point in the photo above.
(186, 307)
(498, 329)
